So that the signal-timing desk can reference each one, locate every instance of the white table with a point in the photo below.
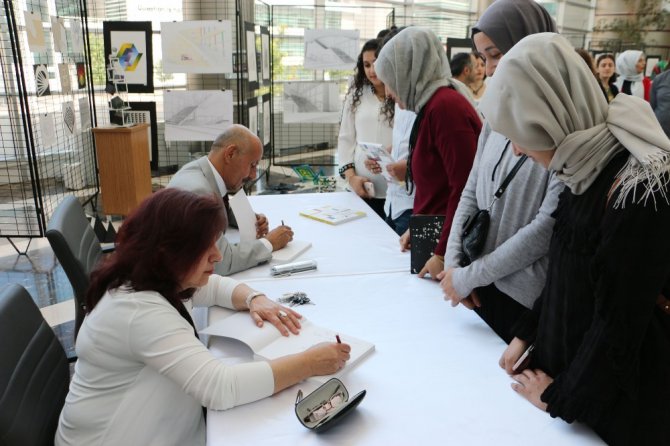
(366, 245)
(433, 377)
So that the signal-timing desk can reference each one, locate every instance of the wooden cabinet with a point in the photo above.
(123, 167)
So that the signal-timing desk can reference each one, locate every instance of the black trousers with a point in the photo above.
(499, 311)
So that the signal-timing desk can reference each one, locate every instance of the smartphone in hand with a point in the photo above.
(369, 188)
(522, 363)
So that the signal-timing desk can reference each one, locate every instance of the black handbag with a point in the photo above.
(476, 227)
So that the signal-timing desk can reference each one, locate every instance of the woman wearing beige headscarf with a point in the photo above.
(414, 68)
(601, 328)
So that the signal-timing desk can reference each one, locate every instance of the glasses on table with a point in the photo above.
(326, 407)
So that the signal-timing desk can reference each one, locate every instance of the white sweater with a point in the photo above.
(142, 376)
(367, 124)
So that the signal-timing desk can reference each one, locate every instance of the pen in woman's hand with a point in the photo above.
(339, 341)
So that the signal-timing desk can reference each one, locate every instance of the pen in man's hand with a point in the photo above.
(339, 341)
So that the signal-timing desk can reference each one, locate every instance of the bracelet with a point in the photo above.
(252, 296)
(345, 168)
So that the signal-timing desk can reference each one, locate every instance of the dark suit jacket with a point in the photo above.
(197, 177)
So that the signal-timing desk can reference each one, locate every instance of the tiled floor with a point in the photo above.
(41, 274)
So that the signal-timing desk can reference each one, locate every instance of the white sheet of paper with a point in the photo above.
(47, 130)
(244, 214)
(291, 251)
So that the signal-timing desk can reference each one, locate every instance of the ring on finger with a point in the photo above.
(282, 313)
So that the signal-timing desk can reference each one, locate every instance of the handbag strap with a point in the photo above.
(503, 186)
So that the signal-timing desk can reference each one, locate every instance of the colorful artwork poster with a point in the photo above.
(35, 32)
(193, 115)
(131, 44)
(331, 49)
(81, 75)
(65, 81)
(59, 34)
(41, 80)
(202, 46)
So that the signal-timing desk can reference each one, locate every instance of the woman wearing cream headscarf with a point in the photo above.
(502, 284)
(630, 66)
(601, 328)
(414, 68)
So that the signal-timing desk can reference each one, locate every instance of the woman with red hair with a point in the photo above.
(143, 376)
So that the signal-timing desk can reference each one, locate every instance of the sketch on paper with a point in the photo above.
(202, 46)
(35, 32)
(81, 75)
(130, 48)
(47, 130)
(252, 67)
(197, 115)
(41, 80)
(266, 119)
(331, 49)
(59, 34)
(65, 81)
(252, 106)
(84, 114)
(312, 102)
(68, 117)
(77, 37)
(265, 53)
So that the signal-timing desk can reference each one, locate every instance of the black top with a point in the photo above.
(599, 333)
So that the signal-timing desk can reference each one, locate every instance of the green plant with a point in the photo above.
(647, 16)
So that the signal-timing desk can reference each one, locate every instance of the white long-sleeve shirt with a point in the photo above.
(366, 124)
(397, 199)
(142, 376)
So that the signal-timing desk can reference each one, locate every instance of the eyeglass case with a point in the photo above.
(322, 395)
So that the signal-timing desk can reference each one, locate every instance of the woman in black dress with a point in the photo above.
(601, 328)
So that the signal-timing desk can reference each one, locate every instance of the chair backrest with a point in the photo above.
(77, 248)
(34, 372)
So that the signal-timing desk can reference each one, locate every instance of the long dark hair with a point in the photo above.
(158, 244)
(600, 59)
(361, 81)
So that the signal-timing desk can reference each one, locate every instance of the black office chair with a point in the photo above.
(34, 372)
(77, 248)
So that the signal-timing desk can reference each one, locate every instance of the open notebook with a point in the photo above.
(267, 343)
(291, 251)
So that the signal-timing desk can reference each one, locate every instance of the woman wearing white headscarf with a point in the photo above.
(601, 328)
(630, 67)
(414, 68)
(504, 281)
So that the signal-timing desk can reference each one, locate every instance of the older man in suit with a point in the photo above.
(233, 160)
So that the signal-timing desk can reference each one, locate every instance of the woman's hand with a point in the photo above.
(434, 266)
(512, 354)
(405, 241)
(356, 183)
(373, 166)
(531, 384)
(262, 225)
(447, 284)
(327, 358)
(397, 170)
(263, 309)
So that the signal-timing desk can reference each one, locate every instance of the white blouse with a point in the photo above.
(366, 124)
(142, 376)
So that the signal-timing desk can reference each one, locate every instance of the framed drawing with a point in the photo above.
(265, 54)
(130, 42)
(455, 46)
(252, 66)
(252, 115)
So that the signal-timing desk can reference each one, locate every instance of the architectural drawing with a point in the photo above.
(68, 118)
(35, 32)
(197, 115)
(331, 49)
(266, 119)
(47, 131)
(203, 46)
(312, 102)
(65, 81)
(84, 114)
(59, 34)
(76, 36)
(265, 54)
(41, 80)
(252, 67)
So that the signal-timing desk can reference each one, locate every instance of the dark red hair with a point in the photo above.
(158, 244)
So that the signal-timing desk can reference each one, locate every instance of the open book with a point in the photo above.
(332, 215)
(267, 343)
(378, 153)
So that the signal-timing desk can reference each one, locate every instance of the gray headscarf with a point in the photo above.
(414, 65)
(625, 65)
(543, 97)
(508, 21)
